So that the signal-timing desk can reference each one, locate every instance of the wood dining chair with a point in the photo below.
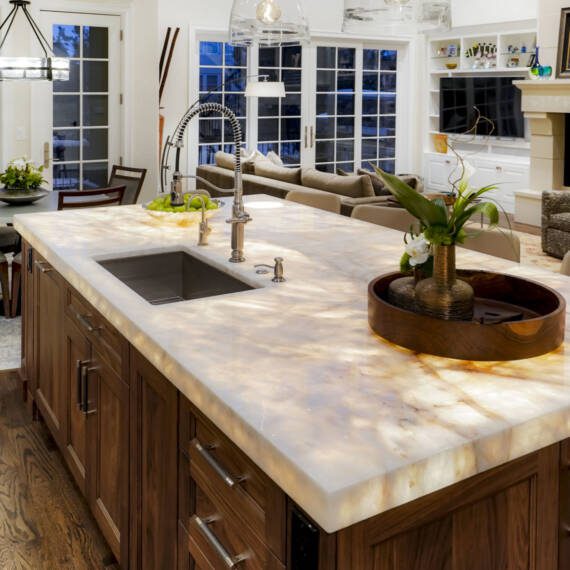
(131, 178)
(91, 198)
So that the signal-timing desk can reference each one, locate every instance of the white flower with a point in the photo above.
(19, 163)
(468, 171)
(418, 249)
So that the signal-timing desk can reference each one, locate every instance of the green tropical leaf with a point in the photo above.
(429, 213)
(488, 209)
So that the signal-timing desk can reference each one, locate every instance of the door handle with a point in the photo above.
(80, 373)
(306, 136)
(312, 136)
(85, 391)
(46, 155)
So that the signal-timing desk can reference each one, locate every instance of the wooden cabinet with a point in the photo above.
(27, 371)
(154, 475)
(48, 380)
(230, 510)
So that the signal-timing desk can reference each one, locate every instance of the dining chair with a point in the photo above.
(91, 198)
(394, 218)
(131, 178)
(322, 201)
(500, 243)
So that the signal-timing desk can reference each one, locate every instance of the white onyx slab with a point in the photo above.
(346, 423)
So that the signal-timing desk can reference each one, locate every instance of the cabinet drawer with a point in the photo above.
(108, 342)
(240, 489)
(216, 543)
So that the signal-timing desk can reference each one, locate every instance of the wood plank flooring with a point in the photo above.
(44, 521)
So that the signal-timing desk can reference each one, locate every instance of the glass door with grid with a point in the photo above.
(84, 112)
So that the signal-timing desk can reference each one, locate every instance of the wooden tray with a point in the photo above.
(538, 322)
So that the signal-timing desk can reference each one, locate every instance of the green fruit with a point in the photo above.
(212, 206)
(196, 202)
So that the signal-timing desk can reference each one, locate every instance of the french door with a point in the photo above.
(340, 111)
(77, 122)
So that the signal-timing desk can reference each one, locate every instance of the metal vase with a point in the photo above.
(443, 296)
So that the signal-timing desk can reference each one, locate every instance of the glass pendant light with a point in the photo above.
(46, 68)
(268, 23)
(396, 16)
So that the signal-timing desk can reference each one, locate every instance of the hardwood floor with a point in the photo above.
(44, 522)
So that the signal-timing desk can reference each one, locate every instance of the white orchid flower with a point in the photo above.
(19, 163)
(418, 249)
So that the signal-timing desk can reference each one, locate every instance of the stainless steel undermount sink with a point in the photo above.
(172, 277)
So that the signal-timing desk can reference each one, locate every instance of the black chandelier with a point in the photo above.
(46, 68)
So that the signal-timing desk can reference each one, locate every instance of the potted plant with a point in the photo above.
(22, 181)
(442, 226)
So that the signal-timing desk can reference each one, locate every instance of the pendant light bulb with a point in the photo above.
(268, 12)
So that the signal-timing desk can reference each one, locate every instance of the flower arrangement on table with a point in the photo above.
(431, 252)
(22, 175)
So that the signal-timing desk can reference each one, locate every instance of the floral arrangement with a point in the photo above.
(22, 175)
(440, 223)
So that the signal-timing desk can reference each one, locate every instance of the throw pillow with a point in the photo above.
(282, 173)
(275, 158)
(377, 183)
(349, 186)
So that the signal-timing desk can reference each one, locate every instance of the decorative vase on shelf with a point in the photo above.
(535, 68)
(443, 296)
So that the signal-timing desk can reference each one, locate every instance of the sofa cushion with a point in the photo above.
(377, 183)
(267, 169)
(560, 221)
(349, 186)
(228, 161)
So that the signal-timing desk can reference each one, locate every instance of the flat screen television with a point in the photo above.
(495, 97)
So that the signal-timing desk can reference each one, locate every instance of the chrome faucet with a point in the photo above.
(205, 229)
(239, 217)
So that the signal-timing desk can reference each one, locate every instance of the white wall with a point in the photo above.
(549, 29)
(478, 12)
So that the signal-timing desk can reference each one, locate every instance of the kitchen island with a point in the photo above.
(338, 449)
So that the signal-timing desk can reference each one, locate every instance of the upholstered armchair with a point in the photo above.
(556, 223)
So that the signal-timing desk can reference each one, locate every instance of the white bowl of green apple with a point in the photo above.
(161, 209)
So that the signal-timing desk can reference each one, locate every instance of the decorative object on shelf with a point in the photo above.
(538, 71)
(22, 181)
(47, 68)
(483, 55)
(440, 143)
(514, 319)
(268, 23)
(451, 65)
(563, 63)
(406, 16)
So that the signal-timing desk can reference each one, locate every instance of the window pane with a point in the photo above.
(210, 79)
(369, 104)
(96, 76)
(268, 107)
(291, 105)
(65, 145)
(95, 144)
(370, 82)
(369, 126)
(292, 79)
(369, 149)
(71, 86)
(237, 103)
(388, 126)
(290, 129)
(95, 175)
(236, 56)
(324, 151)
(325, 128)
(95, 42)
(326, 57)
(65, 40)
(388, 82)
(345, 127)
(345, 151)
(271, 74)
(95, 110)
(228, 131)
(211, 53)
(387, 104)
(326, 81)
(269, 57)
(235, 79)
(206, 153)
(345, 105)
(66, 111)
(268, 147)
(346, 81)
(370, 59)
(346, 58)
(268, 130)
(210, 130)
(291, 153)
(66, 176)
(292, 56)
(325, 104)
(347, 167)
(326, 168)
(387, 148)
(388, 166)
(389, 60)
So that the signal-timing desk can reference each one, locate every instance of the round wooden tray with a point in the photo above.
(537, 325)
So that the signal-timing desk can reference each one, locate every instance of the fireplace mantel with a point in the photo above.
(545, 96)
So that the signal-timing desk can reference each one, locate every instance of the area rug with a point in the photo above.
(10, 343)
(532, 254)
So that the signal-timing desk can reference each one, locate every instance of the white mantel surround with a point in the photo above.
(544, 104)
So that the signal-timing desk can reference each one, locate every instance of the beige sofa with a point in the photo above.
(278, 181)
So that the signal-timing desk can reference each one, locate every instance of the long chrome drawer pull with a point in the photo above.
(228, 480)
(84, 320)
(229, 561)
(43, 266)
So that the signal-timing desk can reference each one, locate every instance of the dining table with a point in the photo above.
(47, 204)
